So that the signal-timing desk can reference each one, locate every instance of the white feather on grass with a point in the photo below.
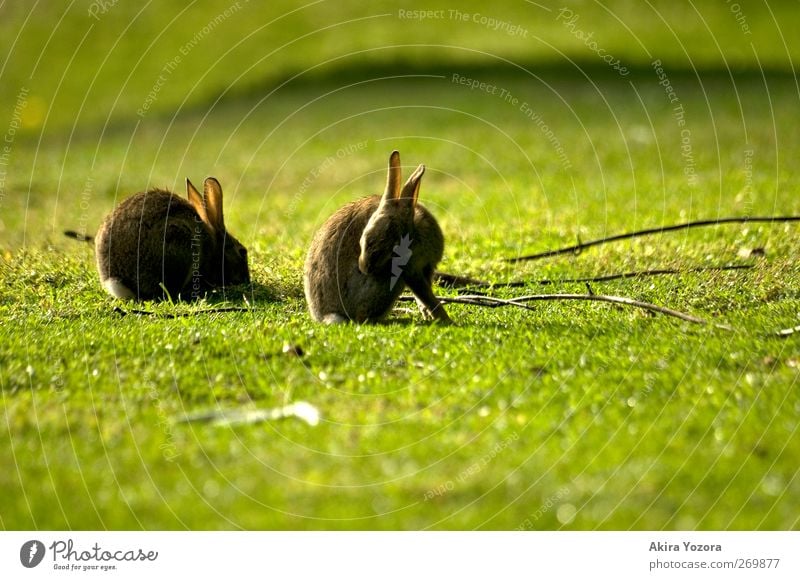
(302, 410)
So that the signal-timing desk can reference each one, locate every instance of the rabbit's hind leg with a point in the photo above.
(181, 268)
(181, 275)
(179, 279)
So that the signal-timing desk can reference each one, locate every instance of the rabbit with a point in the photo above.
(362, 258)
(156, 238)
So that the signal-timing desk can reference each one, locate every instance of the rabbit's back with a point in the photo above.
(428, 248)
(150, 239)
(333, 284)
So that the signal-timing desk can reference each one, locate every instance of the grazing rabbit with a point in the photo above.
(156, 238)
(369, 250)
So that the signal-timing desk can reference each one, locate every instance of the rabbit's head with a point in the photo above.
(392, 221)
(228, 264)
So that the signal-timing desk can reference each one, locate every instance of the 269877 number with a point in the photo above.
(757, 562)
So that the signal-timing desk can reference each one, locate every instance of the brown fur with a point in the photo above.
(156, 238)
(348, 271)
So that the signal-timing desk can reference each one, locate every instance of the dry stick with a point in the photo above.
(122, 312)
(79, 236)
(579, 247)
(454, 281)
(614, 300)
(625, 275)
(520, 302)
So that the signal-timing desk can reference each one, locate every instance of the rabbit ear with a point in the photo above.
(213, 196)
(411, 188)
(394, 178)
(196, 200)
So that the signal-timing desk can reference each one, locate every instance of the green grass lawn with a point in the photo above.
(581, 416)
(571, 416)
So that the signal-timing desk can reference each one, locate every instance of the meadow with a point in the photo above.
(569, 416)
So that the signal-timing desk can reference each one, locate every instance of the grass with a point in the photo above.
(83, 70)
(573, 416)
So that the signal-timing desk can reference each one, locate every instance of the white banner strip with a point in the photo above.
(401, 555)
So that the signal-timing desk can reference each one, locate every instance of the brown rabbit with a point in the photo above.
(156, 238)
(369, 250)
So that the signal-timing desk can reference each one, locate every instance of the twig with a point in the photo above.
(79, 236)
(122, 312)
(579, 247)
(471, 283)
(455, 281)
(615, 300)
(521, 302)
(624, 276)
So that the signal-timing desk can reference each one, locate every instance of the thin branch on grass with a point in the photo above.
(122, 312)
(521, 302)
(455, 281)
(626, 275)
(79, 236)
(465, 282)
(580, 246)
(476, 300)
